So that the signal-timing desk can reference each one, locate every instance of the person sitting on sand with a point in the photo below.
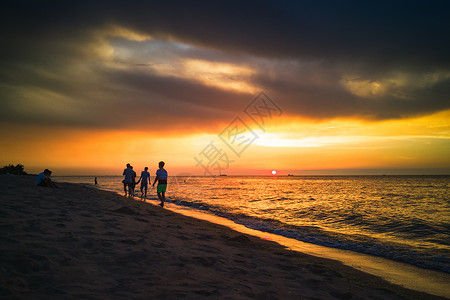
(44, 179)
(128, 172)
(145, 180)
(161, 177)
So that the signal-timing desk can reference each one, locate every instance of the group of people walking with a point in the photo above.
(129, 182)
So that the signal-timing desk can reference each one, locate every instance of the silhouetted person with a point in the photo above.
(128, 173)
(161, 177)
(95, 181)
(133, 183)
(145, 180)
(44, 179)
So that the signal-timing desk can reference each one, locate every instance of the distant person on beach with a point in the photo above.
(145, 180)
(128, 173)
(44, 179)
(95, 181)
(161, 177)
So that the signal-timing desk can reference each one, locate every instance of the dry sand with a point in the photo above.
(76, 242)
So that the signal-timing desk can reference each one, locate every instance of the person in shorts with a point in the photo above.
(145, 180)
(161, 177)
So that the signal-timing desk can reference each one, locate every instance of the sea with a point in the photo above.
(402, 218)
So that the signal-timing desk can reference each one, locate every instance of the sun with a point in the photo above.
(274, 172)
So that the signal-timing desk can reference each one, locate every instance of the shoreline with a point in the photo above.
(409, 276)
(80, 242)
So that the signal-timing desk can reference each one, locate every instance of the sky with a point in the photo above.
(226, 87)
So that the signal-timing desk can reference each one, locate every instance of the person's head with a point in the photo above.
(47, 172)
(131, 167)
(146, 168)
(161, 164)
(128, 165)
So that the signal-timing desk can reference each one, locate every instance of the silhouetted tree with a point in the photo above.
(15, 170)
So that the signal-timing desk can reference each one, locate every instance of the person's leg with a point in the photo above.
(160, 199)
(44, 182)
(125, 188)
(161, 190)
(143, 187)
(129, 189)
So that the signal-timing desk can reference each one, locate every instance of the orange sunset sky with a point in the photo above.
(235, 87)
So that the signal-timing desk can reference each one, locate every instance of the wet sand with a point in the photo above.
(76, 242)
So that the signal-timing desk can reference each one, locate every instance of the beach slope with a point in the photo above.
(76, 242)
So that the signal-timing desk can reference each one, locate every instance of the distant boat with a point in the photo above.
(290, 175)
(223, 174)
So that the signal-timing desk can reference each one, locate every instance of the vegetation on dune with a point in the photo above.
(15, 170)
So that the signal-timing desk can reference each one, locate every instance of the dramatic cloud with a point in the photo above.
(195, 65)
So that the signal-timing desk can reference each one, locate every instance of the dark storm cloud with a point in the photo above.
(390, 31)
(326, 99)
(126, 98)
(42, 41)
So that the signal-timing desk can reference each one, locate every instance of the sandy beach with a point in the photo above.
(76, 242)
